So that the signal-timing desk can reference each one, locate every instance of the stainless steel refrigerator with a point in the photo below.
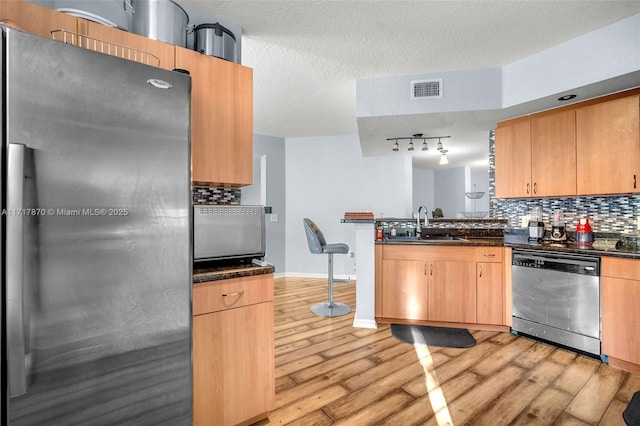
(96, 238)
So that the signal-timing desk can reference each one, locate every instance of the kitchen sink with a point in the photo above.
(441, 238)
(434, 238)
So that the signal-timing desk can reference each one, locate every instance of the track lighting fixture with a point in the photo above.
(417, 136)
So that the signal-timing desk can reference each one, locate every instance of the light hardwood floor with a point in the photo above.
(328, 372)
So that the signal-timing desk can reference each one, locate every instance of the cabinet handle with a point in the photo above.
(489, 255)
(528, 187)
(535, 188)
(238, 293)
(634, 182)
(425, 269)
(430, 269)
(480, 271)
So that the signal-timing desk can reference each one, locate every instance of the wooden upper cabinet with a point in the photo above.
(130, 46)
(39, 20)
(608, 147)
(221, 119)
(513, 159)
(553, 154)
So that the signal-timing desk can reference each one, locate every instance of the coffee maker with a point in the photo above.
(558, 231)
(536, 225)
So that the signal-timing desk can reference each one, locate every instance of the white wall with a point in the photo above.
(423, 184)
(597, 56)
(269, 189)
(327, 176)
(449, 189)
(481, 180)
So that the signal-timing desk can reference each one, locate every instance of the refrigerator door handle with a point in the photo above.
(16, 344)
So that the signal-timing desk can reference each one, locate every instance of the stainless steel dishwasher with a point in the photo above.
(556, 297)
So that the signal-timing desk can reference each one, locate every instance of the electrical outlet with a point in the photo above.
(274, 217)
(350, 254)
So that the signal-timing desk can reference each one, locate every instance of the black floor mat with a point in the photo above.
(631, 414)
(433, 336)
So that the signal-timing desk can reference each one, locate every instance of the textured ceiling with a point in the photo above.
(307, 55)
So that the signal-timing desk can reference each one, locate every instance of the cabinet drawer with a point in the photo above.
(233, 293)
(620, 268)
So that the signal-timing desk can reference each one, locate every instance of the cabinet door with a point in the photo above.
(452, 291)
(553, 154)
(233, 365)
(404, 289)
(490, 293)
(513, 160)
(620, 319)
(131, 46)
(608, 147)
(39, 20)
(221, 119)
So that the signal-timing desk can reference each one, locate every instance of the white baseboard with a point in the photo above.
(364, 323)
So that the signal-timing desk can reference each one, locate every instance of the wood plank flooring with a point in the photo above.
(328, 372)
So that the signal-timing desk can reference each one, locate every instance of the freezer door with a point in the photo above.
(106, 265)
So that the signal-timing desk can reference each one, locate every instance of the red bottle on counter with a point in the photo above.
(584, 233)
(379, 233)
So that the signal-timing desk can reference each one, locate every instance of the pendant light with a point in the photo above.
(410, 146)
(424, 146)
(443, 158)
(439, 145)
(395, 146)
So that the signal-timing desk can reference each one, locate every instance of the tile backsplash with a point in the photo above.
(606, 213)
(216, 195)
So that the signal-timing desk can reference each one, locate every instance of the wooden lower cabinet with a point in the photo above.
(620, 293)
(452, 291)
(440, 284)
(490, 293)
(408, 297)
(233, 351)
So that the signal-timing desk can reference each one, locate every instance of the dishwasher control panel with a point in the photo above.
(561, 262)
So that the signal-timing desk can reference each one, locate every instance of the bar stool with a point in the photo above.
(318, 245)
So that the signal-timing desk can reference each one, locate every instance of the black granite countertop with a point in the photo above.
(521, 241)
(223, 271)
(517, 238)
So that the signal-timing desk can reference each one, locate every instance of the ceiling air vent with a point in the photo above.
(426, 89)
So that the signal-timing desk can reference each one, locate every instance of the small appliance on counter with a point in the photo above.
(558, 230)
(224, 232)
(215, 40)
(536, 225)
(584, 233)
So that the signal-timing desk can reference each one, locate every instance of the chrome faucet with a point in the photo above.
(426, 220)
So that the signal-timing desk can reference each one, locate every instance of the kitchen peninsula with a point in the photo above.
(461, 277)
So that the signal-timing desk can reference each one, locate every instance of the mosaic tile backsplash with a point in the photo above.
(606, 213)
(216, 195)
